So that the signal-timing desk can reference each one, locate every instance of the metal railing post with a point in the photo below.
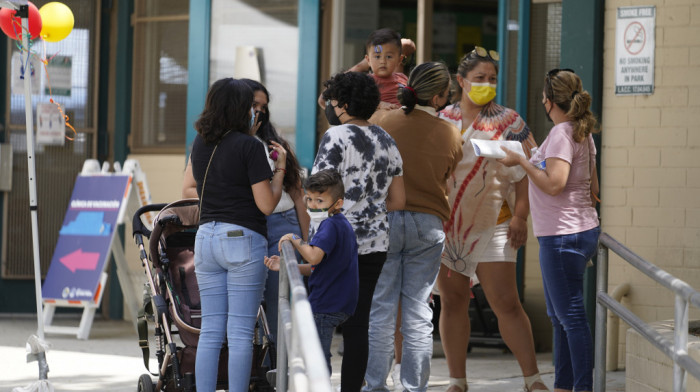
(685, 295)
(601, 321)
(282, 367)
(301, 364)
(680, 342)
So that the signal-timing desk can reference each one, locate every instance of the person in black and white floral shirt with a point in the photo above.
(370, 163)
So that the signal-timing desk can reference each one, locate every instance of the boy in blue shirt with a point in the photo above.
(331, 254)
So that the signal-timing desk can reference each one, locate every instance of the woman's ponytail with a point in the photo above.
(425, 81)
(408, 98)
(584, 121)
(568, 93)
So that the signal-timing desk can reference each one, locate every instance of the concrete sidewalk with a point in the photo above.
(111, 361)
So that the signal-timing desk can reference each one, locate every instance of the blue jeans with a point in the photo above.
(325, 325)
(416, 242)
(230, 273)
(563, 261)
(278, 225)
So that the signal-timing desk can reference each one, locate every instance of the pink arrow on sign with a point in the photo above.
(80, 260)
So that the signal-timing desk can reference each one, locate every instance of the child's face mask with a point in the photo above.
(320, 214)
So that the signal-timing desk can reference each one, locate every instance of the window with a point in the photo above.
(72, 81)
(159, 104)
(259, 39)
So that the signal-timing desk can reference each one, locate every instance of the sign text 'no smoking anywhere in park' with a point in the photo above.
(634, 50)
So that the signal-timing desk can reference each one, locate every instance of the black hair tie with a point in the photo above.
(574, 94)
(409, 88)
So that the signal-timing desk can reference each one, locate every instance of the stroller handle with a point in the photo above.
(138, 227)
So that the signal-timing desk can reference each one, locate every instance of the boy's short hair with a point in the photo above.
(326, 180)
(382, 37)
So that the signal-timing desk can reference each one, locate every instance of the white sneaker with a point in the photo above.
(396, 378)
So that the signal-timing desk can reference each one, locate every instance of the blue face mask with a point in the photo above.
(252, 117)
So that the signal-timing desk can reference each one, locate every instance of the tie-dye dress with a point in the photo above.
(479, 186)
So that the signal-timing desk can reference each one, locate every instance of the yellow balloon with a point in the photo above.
(57, 21)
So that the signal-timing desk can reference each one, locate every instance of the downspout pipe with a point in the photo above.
(614, 326)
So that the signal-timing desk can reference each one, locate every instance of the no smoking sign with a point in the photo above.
(635, 38)
(634, 50)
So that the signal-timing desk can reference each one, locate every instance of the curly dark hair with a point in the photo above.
(326, 180)
(227, 108)
(355, 89)
(267, 132)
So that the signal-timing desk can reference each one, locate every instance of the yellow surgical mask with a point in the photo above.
(482, 93)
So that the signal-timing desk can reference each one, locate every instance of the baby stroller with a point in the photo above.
(171, 303)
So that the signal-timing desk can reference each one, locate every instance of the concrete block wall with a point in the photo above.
(648, 369)
(650, 161)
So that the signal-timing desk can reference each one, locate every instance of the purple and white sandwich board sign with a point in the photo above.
(85, 240)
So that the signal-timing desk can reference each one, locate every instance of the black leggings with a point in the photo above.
(356, 328)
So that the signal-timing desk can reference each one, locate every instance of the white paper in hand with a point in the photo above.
(492, 148)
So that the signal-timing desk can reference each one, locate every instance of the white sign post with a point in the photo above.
(634, 50)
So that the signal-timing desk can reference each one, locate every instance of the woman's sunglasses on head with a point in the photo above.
(481, 52)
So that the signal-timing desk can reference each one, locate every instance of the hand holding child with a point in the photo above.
(408, 47)
(387, 106)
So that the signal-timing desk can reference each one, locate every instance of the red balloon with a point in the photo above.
(14, 29)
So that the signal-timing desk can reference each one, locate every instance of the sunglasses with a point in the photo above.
(481, 52)
(552, 73)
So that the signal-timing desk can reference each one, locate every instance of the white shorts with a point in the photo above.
(499, 249)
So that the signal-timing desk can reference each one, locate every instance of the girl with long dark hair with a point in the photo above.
(236, 189)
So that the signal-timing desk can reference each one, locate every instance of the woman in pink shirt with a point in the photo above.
(563, 192)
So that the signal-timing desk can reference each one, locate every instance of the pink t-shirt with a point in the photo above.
(389, 87)
(570, 211)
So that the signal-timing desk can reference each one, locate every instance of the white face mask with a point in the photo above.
(317, 215)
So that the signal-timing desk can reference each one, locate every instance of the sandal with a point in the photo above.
(534, 383)
(457, 385)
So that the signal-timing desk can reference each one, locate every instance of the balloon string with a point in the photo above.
(45, 61)
(20, 47)
(65, 116)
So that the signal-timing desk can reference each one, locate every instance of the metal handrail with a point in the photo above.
(301, 364)
(685, 294)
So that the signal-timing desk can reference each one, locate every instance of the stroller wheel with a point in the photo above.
(145, 384)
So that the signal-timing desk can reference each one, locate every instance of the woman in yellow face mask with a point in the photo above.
(488, 223)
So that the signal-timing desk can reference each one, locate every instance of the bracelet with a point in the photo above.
(278, 169)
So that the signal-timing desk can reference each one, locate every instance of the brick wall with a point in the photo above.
(648, 369)
(651, 161)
